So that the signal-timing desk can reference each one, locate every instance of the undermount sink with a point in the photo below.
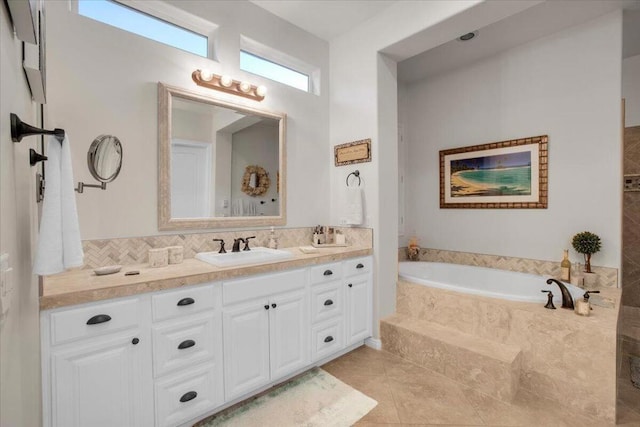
(256, 255)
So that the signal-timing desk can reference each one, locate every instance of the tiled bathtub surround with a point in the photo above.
(607, 277)
(133, 250)
(560, 356)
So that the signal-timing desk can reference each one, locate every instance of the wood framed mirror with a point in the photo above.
(206, 147)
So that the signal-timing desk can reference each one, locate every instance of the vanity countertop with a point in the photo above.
(82, 286)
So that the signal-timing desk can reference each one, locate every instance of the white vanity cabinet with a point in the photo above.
(96, 362)
(265, 337)
(187, 353)
(359, 299)
(167, 358)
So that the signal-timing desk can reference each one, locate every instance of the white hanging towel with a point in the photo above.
(59, 243)
(354, 206)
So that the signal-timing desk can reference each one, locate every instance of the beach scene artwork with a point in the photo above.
(507, 174)
(498, 175)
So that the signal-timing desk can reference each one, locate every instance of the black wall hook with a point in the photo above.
(19, 129)
(35, 157)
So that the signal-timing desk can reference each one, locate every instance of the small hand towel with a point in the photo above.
(59, 243)
(354, 206)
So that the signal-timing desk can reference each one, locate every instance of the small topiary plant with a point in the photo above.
(587, 244)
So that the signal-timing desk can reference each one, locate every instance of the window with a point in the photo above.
(265, 68)
(145, 25)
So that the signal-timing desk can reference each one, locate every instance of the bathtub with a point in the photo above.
(489, 282)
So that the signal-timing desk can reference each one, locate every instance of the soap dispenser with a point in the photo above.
(273, 240)
(583, 306)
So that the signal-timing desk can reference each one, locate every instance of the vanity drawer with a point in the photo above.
(184, 301)
(185, 396)
(326, 301)
(326, 338)
(357, 266)
(94, 320)
(261, 286)
(326, 273)
(185, 343)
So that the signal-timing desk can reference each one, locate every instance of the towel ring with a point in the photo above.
(356, 173)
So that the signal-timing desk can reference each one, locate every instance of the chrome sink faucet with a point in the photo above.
(236, 244)
(567, 300)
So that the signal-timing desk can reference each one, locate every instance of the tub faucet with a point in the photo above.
(236, 244)
(567, 301)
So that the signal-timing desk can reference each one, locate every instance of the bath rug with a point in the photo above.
(315, 399)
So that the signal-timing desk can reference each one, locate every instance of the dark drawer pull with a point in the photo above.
(328, 339)
(99, 318)
(350, 285)
(186, 344)
(266, 307)
(359, 266)
(186, 301)
(274, 305)
(328, 272)
(190, 395)
(328, 302)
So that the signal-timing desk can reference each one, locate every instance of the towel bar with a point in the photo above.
(19, 129)
(355, 173)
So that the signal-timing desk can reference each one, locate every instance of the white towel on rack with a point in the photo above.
(354, 206)
(59, 243)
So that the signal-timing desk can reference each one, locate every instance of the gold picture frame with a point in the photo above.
(353, 152)
(509, 174)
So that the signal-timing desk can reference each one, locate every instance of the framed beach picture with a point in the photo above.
(499, 175)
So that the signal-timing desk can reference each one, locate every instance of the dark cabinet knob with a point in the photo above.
(186, 344)
(190, 395)
(266, 307)
(135, 341)
(328, 272)
(350, 285)
(186, 301)
(274, 305)
(328, 302)
(359, 266)
(99, 318)
(328, 339)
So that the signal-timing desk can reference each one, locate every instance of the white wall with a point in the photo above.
(631, 90)
(19, 329)
(566, 85)
(103, 80)
(364, 105)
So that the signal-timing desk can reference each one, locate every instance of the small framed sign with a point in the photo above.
(353, 152)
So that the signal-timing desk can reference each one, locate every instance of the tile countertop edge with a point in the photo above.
(118, 285)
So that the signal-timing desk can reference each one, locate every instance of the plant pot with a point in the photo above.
(590, 280)
(634, 363)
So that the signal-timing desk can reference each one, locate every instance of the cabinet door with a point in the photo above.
(246, 347)
(289, 323)
(105, 383)
(358, 319)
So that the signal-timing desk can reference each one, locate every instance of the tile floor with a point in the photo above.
(409, 395)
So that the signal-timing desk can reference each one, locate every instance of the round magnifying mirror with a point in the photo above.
(105, 158)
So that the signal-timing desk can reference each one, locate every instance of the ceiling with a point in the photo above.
(533, 23)
(326, 19)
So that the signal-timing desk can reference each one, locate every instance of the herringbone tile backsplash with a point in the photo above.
(133, 250)
(606, 276)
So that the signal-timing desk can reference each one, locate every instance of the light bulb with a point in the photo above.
(261, 91)
(206, 75)
(245, 87)
(226, 81)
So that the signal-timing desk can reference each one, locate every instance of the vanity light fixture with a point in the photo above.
(209, 80)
